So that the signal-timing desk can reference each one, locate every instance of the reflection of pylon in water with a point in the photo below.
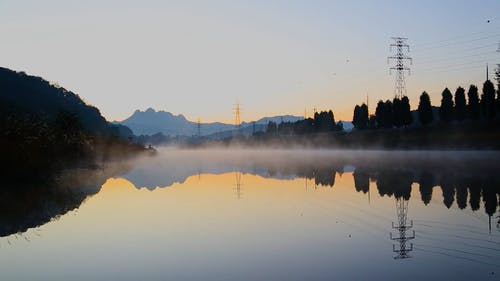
(402, 228)
(238, 185)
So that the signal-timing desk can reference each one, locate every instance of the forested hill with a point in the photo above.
(26, 95)
(45, 128)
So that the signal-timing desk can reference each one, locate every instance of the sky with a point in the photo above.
(198, 58)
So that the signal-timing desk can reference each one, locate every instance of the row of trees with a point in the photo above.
(322, 122)
(458, 107)
(397, 113)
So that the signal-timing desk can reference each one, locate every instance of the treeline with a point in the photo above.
(323, 122)
(453, 107)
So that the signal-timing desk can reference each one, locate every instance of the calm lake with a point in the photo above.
(260, 215)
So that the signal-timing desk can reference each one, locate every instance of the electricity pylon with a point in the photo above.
(237, 120)
(400, 67)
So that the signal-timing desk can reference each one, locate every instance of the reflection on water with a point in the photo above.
(260, 215)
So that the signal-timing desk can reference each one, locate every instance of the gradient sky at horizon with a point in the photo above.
(276, 57)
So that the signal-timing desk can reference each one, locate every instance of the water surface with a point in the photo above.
(261, 215)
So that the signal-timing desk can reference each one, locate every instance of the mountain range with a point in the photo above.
(150, 122)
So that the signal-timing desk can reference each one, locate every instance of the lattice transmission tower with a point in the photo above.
(400, 59)
(237, 120)
(402, 228)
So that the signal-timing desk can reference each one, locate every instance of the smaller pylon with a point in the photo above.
(237, 120)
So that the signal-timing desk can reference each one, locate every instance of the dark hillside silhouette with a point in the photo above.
(45, 127)
(22, 94)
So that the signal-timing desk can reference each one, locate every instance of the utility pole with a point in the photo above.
(399, 59)
(367, 105)
(198, 123)
(402, 228)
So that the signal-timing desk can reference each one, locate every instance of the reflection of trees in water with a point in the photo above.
(29, 205)
(448, 189)
(325, 177)
(397, 183)
(462, 195)
(361, 181)
(426, 185)
(460, 186)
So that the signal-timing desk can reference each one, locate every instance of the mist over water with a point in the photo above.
(266, 214)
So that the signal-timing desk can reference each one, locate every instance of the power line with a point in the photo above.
(456, 64)
(458, 42)
(455, 57)
(454, 38)
(456, 69)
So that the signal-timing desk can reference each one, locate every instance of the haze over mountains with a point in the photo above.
(150, 122)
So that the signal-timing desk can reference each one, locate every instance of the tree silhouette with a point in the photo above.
(446, 109)
(356, 117)
(425, 109)
(324, 121)
(406, 116)
(488, 103)
(360, 118)
(460, 104)
(384, 114)
(379, 113)
(473, 111)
